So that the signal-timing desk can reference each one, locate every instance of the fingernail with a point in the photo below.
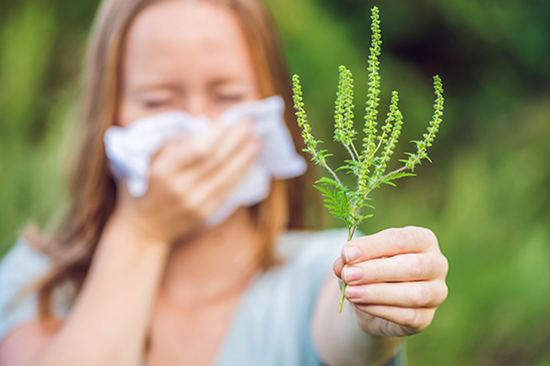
(354, 292)
(351, 274)
(352, 253)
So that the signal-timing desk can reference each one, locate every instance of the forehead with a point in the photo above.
(179, 39)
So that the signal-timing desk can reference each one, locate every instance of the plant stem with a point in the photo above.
(331, 172)
(343, 298)
(391, 173)
(351, 153)
(351, 232)
(372, 185)
(379, 143)
(355, 151)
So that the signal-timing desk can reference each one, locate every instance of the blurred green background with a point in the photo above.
(486, 195)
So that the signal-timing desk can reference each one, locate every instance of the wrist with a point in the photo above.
(130, 231)
(382, 347)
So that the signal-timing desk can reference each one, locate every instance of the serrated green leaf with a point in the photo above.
(326, 180)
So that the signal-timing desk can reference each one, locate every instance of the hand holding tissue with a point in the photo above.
(132, 148)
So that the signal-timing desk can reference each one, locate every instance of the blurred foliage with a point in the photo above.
(41, 47)
(486, 195)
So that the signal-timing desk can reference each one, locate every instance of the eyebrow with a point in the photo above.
(228, 81)
(174, 87)
(162, 85)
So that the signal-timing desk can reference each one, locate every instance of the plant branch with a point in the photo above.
(324, 163)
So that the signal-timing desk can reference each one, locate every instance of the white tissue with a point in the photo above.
(131, 149)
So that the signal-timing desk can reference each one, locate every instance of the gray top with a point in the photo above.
(271, 325)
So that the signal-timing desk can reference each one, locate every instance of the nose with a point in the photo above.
(196, 105)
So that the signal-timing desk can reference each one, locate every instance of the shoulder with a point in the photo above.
(19, 268)
(22, 261)
(31, 337)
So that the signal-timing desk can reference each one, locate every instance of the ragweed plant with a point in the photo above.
(369, 165)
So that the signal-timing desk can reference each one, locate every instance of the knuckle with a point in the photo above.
(158, 179)
(406, 235)
(430, 236)
(409, 318)
(155, 174)
(419, 230)
(192, 202)
(394, 232)
(375, 273)
(444, 264)
(359, 241)
(198, 151)
(418, 297)
(440, 265)
(369, 295)
(443, 292)
(188, 202)
(416, 267)
(398, 235)
(157, 168)
(421, 234)
(428, 295)
(409, 232)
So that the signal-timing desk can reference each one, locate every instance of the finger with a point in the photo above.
(409, 295)
(185, 151)
(163, 158)
(405, 267)
(209, 139)
(216, 189)
(388, 243)
(338, 266)
(413, 320)
(236, 136)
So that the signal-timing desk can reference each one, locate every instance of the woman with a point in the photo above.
(145, 281)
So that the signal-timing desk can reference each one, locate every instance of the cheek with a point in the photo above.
(129, 111)
(125, 113)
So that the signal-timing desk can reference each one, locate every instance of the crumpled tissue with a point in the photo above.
(131, 149)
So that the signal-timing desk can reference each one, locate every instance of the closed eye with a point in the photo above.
(155, 103)
(230, 98)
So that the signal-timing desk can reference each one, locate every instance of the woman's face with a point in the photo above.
(189, 56)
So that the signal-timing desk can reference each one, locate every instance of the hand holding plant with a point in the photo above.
(368, 163)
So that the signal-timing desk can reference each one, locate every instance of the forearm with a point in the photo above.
(338, 338)
(108, 322)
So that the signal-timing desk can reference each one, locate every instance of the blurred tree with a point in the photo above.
(41, 46)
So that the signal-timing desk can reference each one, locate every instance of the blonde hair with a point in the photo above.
(92, 189)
